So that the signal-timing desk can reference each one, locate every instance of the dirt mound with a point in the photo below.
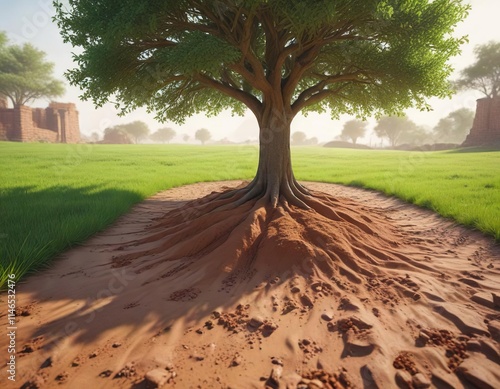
(358, 291)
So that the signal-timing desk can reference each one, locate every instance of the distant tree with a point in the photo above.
(116, 135)
(463, 119)
(25, 75)
(415, 135)
(312, 141)
(186, 138)
(138, 130)
(441, 132)
(94, 137)
(392, 128)
(202, 135)
(165, 134)
(484, 74)
(354, 129)
(299, 138)
(454, 127)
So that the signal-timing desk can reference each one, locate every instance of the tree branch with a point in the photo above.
(308, 51)
(155, 44)
(246, 98)
(273, 49)
(314, 93)
(238, 32)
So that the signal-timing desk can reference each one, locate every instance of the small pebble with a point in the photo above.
(156, 378)
(403, 378)
(236, 361)
(105, 373)
(255, 322)
(276, 361)
(327, 316)
(421, 381)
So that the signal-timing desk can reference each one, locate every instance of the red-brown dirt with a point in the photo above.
(361, 291)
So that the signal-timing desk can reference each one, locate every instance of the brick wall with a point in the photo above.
(68, 116)
(6, 123)
(486, 126)
(40, 118)
(56, 123)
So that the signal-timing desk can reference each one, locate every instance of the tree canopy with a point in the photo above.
(25, 75)
(180, 57)
(354, 129)
(484, 74)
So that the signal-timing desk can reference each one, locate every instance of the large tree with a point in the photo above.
(484, 74)
(25, 75)
(274, 57)
(271, 246)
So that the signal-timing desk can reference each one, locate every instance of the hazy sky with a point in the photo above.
(30, 21)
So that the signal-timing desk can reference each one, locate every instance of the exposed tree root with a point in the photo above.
(240, 231)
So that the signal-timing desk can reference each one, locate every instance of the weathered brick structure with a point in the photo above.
(486, 126)
(56, 123)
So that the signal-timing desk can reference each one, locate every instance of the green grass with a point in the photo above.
(54, 196)
(461, 185)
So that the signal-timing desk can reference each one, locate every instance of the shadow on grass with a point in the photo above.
(38, 224)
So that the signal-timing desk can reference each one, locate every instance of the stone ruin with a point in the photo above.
(485, 129)
(58, 123)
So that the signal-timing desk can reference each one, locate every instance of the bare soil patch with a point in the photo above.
(186, 291)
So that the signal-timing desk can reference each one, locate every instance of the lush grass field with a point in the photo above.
(56, 196)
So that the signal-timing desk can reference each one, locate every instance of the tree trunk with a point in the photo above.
(274, 179)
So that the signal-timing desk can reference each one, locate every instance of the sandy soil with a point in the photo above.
(402, 299)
